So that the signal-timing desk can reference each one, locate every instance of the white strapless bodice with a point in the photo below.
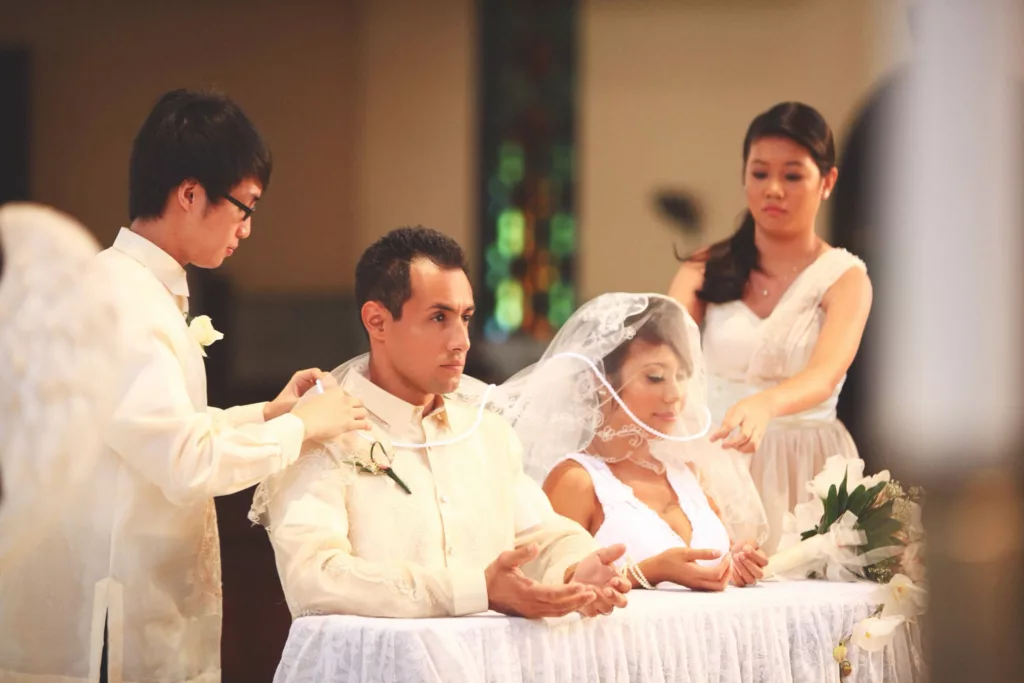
(645, 534)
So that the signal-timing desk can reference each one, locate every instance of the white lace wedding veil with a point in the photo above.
(558, 405)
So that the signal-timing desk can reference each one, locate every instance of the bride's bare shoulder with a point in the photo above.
(571, 492)
(569, 477)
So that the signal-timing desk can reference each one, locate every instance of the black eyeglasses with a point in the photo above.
(247, 209)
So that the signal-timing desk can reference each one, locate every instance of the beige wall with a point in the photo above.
(366, 105)
(417, 110)
(369, 106)
(668, 88)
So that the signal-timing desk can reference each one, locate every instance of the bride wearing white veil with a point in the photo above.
(613, 420)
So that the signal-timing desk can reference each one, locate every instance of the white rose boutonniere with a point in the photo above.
(202, 331)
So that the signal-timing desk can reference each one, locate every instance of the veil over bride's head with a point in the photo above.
(625, 378)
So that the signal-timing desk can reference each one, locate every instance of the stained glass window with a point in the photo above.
(529, 230)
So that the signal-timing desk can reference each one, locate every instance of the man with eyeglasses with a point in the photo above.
(128, 587)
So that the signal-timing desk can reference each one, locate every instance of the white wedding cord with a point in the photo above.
(435, 444)
(566, 354)
(640, 423)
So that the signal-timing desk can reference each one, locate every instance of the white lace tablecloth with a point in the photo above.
(773, 632)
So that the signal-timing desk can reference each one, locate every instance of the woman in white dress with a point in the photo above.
(611, 420)
(782, 312)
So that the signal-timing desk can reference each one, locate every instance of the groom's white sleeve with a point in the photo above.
(193, 454)
(309, 530)
(561, 542)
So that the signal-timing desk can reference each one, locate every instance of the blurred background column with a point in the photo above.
(948, 387)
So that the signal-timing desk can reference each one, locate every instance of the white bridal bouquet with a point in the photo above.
(859, 528)
(854, 527)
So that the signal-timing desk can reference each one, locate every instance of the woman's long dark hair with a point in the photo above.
(728, 263)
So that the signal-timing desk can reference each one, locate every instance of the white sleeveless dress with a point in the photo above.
(645, 534)
(746, 354)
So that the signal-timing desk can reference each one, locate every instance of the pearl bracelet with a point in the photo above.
(634, 569)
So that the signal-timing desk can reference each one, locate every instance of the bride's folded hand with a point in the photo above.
(679, 565)
(748, 563)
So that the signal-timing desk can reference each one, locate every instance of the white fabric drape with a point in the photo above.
(777, 632)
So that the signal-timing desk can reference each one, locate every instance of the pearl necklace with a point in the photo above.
(653, 464)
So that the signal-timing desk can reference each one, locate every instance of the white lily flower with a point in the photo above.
(874, 633)
(835, 469)
(901, 597)
(807, 515)
(874, 479)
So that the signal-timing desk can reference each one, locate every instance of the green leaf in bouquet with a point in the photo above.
(893, 540)
(883, 511)
(842, 497)
(874, 543)
(808, 534)
(855, 502)
(873, 492)
(831, 509)
(881, 532)
(887, 527)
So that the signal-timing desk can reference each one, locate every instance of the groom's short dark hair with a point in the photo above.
(382, 273)
(202, 136)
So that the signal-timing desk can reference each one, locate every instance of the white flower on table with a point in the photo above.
(901, 597)
(870, 481)
(805, 516)
(837, 467)
(808, 515)
(202, 331)
(874, 633)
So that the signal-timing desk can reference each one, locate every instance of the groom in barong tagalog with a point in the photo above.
(430, 513)
(125, 583)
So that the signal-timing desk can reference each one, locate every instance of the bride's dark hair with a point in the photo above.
(651, 331)
(728, 263)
